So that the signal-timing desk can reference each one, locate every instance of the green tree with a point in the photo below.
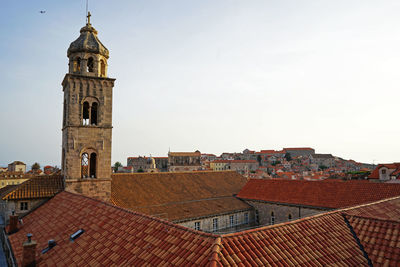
(259, 159)
(323, 167)
(35, 166)
(140, 170)
(117, 165)
(288, 157)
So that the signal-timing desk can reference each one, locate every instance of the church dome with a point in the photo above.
(88, 42)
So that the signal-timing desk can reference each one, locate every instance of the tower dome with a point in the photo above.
(88, 42)
(87, 55)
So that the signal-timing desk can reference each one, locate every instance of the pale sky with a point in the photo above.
(213, 75)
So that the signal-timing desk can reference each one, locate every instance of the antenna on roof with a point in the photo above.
(87, 10)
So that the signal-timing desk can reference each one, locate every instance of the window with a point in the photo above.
(85, 113)
(93, 162)
(90, 65)
(383, 171)
(290, 217)
(246, 217)
(215, 224)
(77, 65)
(102, 68)
(84, 165)
(93, 114)
(231, 221)
(23, 206)
(197, 226)
(236, 219)
(272, 219)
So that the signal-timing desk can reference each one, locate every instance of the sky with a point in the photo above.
(211, 75)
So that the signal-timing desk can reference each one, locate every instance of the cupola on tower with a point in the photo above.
(87, 117)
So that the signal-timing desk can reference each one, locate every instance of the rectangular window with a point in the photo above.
(23, 206)
(246, 217)
(236, 219)
(197, 226)
(215, 224)
(231, 221)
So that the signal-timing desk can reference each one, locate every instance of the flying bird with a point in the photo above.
(42, 11)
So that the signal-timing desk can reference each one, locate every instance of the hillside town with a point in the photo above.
(300, 163)
(288, 207)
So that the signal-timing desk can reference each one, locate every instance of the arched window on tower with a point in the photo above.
(85, 113)
(85, 165)
(77, 64)
(102, 68)
(63, 159)
(92, 164)
(93, 115)
(90, 64)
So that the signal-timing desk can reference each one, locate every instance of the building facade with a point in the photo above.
(17, 166)
(87, 117)
(184, 161)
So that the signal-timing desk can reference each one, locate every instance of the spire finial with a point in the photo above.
(88, 18)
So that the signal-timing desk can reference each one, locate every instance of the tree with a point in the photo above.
(35, 166)
(288, 157)
(323, 167)
(117, 165)
(259, 159)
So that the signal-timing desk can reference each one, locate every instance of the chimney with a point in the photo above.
(29, 252)
(13, 226)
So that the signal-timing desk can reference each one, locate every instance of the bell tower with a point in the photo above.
(87, 117)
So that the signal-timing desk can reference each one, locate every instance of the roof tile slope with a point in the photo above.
(37, 187)
(314, 241)
(325, 194)
(153, 194)
(113, 236)
(182, 211)
(117, 237)
(380, 239)
(378, 228)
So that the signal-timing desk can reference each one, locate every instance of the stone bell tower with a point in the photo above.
(87, 117)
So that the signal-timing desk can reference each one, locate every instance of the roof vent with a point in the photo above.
(76, 234)
(51, 245)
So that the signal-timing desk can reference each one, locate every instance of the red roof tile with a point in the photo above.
(37, 187)
(325, 194)
(117, 237)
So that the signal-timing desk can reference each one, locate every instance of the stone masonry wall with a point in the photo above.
(281, 212)
(96, 188)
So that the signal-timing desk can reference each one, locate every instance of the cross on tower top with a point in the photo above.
(88, 18)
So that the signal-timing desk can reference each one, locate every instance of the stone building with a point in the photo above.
(26, 196)
(87, 117)
(299, 151)
(241, 166)
(201, 200)
(17, 166)
(386, 172)
(326, 160)
(184, 161)
(13, 178)
(161, 163)
(281, 200)
(142, 164)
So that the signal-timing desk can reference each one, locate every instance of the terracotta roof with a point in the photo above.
(375, 173)
(37, 187)
(117, 237)
(113, 236)
(314, 241)
(6, 190)
(179, 196)
(325, 194)
(378, 228)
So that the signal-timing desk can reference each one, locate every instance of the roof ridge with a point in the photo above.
(165, 173)
(147, 216)
(370, 218)
(215, 251)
